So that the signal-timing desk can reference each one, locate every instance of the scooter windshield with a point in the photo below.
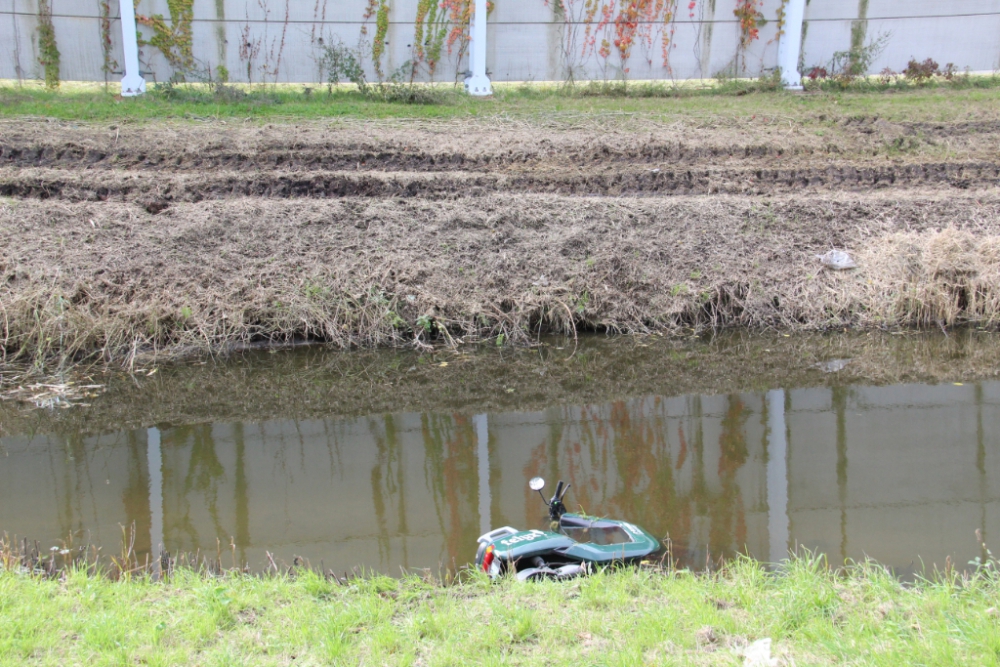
(594, 531)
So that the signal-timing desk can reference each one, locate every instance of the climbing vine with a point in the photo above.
(109, 64)
(173, 40)
(618, 26)
(459, 18)
(48, 50)
(430, 32)
(782, 17)
(637, 22)
(751, 19)
(379, 9)
(439, 24)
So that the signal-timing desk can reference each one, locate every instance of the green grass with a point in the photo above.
(862, 616)
(961, 98)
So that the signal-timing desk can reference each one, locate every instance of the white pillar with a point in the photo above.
(478, 83)
(132, 83)
(154, 461)
(790, 45)
(483, 454)
(777, 477)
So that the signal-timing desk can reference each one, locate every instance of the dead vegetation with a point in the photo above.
(117, 243)
(113, 281)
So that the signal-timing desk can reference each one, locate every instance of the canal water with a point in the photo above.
(857, 447)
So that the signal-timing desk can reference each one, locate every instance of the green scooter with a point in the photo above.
(573, 546)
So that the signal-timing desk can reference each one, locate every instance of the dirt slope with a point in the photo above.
(121, 239)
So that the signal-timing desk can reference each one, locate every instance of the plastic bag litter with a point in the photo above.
(838, 260)
(833, 365)
(758, 654)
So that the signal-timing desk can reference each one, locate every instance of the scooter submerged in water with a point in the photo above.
(573, 545)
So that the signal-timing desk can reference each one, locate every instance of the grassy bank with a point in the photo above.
(860, 616)
(199, 102)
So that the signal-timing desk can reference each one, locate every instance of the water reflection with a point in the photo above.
(898, 473)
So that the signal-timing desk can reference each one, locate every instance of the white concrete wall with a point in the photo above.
(527, 42)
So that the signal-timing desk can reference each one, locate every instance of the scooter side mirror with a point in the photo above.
(536, 484)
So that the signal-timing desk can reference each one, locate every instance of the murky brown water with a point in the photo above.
(902, 472)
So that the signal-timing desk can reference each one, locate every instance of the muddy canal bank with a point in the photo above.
(313, 382)
(118, 241)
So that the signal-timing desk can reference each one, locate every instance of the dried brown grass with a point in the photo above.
(111, 281)
(133, 240)
(946, 277)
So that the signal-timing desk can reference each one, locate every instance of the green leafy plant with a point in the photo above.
(48, 50)
(379, 9)
(342, 63)
(425, 322)
(429, 33)
(173, 40)
(846, 66)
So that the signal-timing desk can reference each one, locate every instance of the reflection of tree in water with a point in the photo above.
(728, 516)
(71, 457)
(544, 460)
(135, 495)
(204, 474)
(451, 473)
(76, 483)
(388, 481)
(629, 441)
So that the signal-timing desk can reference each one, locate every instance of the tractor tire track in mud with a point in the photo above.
(140, 185)
(189, 163)
(189, 149)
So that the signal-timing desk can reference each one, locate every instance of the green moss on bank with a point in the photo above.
(813, 616)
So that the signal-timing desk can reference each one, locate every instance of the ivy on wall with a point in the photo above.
(48, 50)
(438, 24)
(617, 27)
(430, 31)
(751, 19)
(109, 64)
(173, 40)
(782, 18)
(380, 10)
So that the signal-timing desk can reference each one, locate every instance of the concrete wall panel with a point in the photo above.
(527, 43)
